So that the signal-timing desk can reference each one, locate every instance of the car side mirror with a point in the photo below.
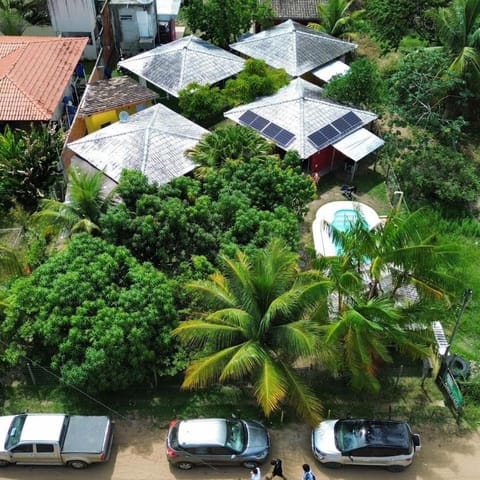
(416, 440)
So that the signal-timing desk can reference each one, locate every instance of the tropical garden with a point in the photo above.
(206, 283)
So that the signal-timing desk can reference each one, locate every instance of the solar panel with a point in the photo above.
(284, 138)
(248, 117)
(271, 130)
(318, 139)
(329, 132)
(352, 119)
(341, 125)
(259, 123)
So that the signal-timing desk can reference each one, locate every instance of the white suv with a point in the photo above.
(383, 443)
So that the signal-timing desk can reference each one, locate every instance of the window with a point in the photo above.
(24, 448)
(219, 451)
(44, 448)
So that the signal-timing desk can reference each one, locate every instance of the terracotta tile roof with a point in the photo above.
(117, 92)
(34, 73)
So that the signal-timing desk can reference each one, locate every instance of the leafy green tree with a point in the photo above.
(12, 21)
(425, 92)
(34, 12)
(80, 212)
(259, 323)
(425, 173)
(95, 316)
(222, 21)
(29, 165)
(362, 86)
(232, 142)
(458, 29)
(203, 104)
(336, 17)
(257, 79)
(394, 19)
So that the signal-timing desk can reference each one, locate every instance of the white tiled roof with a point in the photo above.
(174, 65)
(292, 46)
(153, 141)
(301, 109)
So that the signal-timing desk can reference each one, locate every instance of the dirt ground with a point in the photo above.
(139, 454)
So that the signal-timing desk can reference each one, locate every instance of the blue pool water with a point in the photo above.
(345, 218)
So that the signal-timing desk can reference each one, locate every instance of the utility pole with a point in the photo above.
(467, 295)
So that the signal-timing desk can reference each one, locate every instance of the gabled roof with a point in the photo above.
(153, 141)
(297, 9)
(116, 92)
(174, 65)
(34, 73)
(301, 109)
(292, 46)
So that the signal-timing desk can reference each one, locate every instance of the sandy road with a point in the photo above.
(139, 454)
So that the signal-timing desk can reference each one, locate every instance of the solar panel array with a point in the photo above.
(330, 133)
(271, 130)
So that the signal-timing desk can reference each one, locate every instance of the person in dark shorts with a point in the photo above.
(277, 469)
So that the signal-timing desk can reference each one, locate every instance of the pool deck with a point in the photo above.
(325, 215)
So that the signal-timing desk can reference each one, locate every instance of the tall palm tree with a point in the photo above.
(336, 17)
(262, 322)
(362, 333)
(401, 251)
(232, 142)
(458, 29)
(81, 212)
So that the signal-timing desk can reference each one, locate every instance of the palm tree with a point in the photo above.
(400, 251)
(458, 29)
(81, 212)
(232, 142)
(336, 17)
(362, 333)
(263, 322)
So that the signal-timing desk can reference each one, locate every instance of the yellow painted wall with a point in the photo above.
(95, 122)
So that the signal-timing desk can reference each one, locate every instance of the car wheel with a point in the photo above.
(184, 465)
(249, 465)
(332, 465)
(396, 468)
(77, 464)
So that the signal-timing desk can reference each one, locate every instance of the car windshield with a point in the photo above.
(353, 434)
(236, 438)
(15, 431)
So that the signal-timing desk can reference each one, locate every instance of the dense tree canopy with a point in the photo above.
(29, 165)
(222, 21)
(362, 86)
(95, 316)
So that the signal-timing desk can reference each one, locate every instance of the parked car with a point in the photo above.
(385, 443)
(55, 439)
(217, 441)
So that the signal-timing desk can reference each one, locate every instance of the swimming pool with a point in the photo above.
(340, 215)
(343, 219)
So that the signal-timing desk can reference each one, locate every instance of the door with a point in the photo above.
(22, 453)
(321, 162)
(46, 453)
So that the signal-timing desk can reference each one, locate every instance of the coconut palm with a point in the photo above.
(401, 251)
(81, 212)
(363, 332)
(458, 29)
(336, 17)
(232, 142)
(262, 322)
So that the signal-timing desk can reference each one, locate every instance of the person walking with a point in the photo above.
(255, 474)
(277, 469)
(307, 472)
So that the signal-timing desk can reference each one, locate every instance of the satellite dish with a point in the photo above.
(123, 116)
